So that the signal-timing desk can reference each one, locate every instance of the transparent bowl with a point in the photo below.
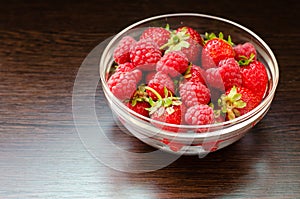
(187, 141)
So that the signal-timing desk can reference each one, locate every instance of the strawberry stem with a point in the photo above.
(154, 92)
(231, 102)
(245, 61)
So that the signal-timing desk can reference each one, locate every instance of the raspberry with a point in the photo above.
(244, 51)
(173, 63)
(129, 67)
(193, 93)
(200, 114)
(159, 35)
(226, 76)
(122, 51)
(122, 84)
(159, 82)
(145, 54)
(125, 67)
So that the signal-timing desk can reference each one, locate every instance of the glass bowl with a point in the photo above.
(187, 140)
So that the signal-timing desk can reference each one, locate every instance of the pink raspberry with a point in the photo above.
(173, 63)
(200, 114)
(125, 67)
(145, 54)
(193, 93)
(122, 84)
(158, 34)
(225, 76)
(159, 82)
(129, 67)
(244, 51)
(122, 51)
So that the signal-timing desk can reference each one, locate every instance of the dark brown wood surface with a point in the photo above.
(42, 46)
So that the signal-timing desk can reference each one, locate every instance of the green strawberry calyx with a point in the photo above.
(140, 95)
(166, 103)
(210, 36)
(177, 41)
(245, 61)
(231, 102)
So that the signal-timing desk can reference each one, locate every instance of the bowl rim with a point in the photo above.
(266, 100)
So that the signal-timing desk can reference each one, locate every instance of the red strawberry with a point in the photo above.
(180, 41)
(122, 51)
(168, 110)
(173, 63)
(139, 107)
(160, 83)
(122, 84)
(195, 74)
(215, 50)
(200, 114)
(227, 74)
(145, 54)
(192, 33)
(158, 34)
(193, 93)
(244, 51)
(171, 114)
(255, 78)
(238, 101)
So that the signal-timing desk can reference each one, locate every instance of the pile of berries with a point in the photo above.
(182, 77)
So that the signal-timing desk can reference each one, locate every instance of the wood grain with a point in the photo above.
(42, 45)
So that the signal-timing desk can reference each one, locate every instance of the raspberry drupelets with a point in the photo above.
(162, 74)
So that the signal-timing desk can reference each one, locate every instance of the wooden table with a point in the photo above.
(42, 46)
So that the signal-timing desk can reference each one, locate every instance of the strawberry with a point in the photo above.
(227, 74)
(171, 115)
(193, 93)
(139, 107)
(200, 114)
(158, 34)
(168, 110)
(195, 74)
(245, 51)
(180, 41)
(193, 51)
(173, 63)
(160, 83)
(122, 51)
(216, 49)
(122, 84)
(145, 54)
(192, 33)
(255, 76)
(237, 101)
